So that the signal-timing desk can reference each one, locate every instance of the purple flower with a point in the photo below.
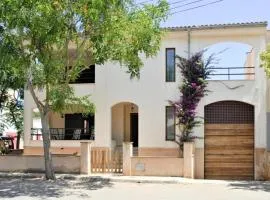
(191, 91)
(194, 85)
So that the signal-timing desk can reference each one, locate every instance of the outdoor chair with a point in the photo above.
(57, 134)
(77, 134)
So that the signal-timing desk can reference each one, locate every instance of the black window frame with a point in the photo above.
(166, 124)
(166, 64)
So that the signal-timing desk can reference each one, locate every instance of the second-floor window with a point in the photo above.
(170, 64)
(86, 76)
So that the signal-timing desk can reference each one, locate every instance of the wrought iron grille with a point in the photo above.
(64, 134)
(229, 112)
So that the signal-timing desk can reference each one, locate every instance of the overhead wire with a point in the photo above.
(192, 8)
(186, 4)
(183, 5)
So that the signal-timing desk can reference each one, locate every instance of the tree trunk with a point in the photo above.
(49, 171)
(18, 140)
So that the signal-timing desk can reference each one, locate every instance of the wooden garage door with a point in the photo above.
(229, 141)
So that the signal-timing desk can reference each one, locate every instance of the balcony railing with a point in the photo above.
(232, 73)
(64, 134)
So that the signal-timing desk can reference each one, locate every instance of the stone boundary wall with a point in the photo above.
(157, 166)
(23, 163)
(132, 165)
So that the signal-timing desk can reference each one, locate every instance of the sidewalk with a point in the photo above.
(120, 178)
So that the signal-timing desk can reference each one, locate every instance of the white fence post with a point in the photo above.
(189, 160)
(86, 157)
(127, 154)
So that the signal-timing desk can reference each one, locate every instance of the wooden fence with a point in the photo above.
(105, 160)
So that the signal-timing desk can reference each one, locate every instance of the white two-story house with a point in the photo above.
(137, 110)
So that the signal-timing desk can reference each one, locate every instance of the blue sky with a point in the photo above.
(229, 54)
(227, 11)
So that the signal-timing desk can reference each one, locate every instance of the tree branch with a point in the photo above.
(36, 100)
(177, 142)
(13, 116)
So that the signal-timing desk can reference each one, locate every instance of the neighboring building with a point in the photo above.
(138, 110)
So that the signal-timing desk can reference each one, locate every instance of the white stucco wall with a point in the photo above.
(151, 93)
(118, 124)
(247, 92)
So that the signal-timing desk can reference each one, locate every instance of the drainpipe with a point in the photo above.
(189, 40)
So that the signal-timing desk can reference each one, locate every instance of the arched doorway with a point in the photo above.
(229, 141)
(125, 126)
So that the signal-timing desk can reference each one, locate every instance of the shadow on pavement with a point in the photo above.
(10, 188)
(253, 186)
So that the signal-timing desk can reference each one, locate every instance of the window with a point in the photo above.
(170, 64)
(86, 76)
(170, 123)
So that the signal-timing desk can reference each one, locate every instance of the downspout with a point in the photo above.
(189, 41)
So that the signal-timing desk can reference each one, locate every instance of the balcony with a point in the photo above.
(64, 134)
(232, 73)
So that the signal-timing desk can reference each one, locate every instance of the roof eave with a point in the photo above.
(217, 26)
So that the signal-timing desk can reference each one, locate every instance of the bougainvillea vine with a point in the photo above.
(194, 74)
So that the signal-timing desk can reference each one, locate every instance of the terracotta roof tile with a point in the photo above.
(218, 26)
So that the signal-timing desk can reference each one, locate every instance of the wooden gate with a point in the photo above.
(105, 160)
(229, 141)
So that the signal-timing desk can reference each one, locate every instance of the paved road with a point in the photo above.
(95, 189)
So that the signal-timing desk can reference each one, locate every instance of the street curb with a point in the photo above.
(120, 179)
(124, 179)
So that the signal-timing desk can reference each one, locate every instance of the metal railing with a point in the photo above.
(247, 73)
(64, 134)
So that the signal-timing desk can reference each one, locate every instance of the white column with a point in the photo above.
(27, 115)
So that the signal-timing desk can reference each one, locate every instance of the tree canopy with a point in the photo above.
(265, 57)
(55, 40)
(54, 34)
(10, 72)
(11, 87)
